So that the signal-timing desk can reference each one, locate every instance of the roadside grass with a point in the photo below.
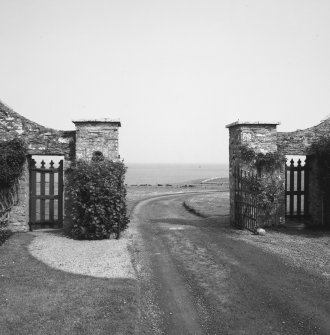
(36, 299)
(206, 205)
(136, 193)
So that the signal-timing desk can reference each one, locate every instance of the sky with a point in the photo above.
(175, 72)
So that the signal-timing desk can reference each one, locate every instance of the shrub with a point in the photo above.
(320, 149)
(98, 196)
(12, 159)
(4, 235)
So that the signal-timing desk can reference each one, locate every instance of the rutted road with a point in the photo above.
(195, 278)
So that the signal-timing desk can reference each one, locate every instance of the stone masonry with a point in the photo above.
(89, 136)
(298, 143)
(263, 137)
(97, 135)
(259, 136)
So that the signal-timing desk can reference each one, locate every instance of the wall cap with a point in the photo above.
(247, 123)
(104, 120)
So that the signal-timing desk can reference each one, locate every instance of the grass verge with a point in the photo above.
(37, 299)
(136, 193)
(206, 205)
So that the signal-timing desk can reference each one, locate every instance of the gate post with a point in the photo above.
(261, 137)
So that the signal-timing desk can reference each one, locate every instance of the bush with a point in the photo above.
(98, 196)
(4, 235)
(12, 159)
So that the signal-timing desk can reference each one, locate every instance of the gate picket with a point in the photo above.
(296, 189)
(51, 191)
(42, 192)
(46, 201)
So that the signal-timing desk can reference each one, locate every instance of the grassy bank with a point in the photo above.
(37, 299)
(136, 193)
(207, 205)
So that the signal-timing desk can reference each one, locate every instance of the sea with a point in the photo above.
(155, 174)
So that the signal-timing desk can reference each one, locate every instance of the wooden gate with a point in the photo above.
(46, 195)
(296, 190)
(246, 210)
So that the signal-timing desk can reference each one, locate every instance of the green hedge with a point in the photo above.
(98, 199)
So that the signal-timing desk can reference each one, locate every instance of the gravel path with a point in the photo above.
(305, 249)
(103, 259)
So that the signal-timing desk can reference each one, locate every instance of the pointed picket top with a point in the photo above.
(51, 164)
(43, 164)
(299, 163)
(292, 162)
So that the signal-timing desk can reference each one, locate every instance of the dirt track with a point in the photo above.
(196, 279)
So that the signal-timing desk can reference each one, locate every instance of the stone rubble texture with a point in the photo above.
(89, 136)
(263, 137)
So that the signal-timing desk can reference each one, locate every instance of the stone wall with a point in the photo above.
(97, 135)
(20, 212)
(41, 140)
(89, 136)
(259, 136)
(263, 137)
(298, 142)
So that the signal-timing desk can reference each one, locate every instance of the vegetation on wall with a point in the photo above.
(267, 162)
(12, 158)
(98, 198)
(265, 186)
(321, 150)
(267, 190)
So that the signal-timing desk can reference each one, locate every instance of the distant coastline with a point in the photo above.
(174, 173)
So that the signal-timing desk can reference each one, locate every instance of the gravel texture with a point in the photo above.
(306, 249)
(103, 259)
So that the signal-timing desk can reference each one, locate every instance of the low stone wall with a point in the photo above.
(41, 140)
(298, 142)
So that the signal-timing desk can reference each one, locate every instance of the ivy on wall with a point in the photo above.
(321, 150)
(12, 158)
(267, 191)
(266, 186)
(267, 162)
